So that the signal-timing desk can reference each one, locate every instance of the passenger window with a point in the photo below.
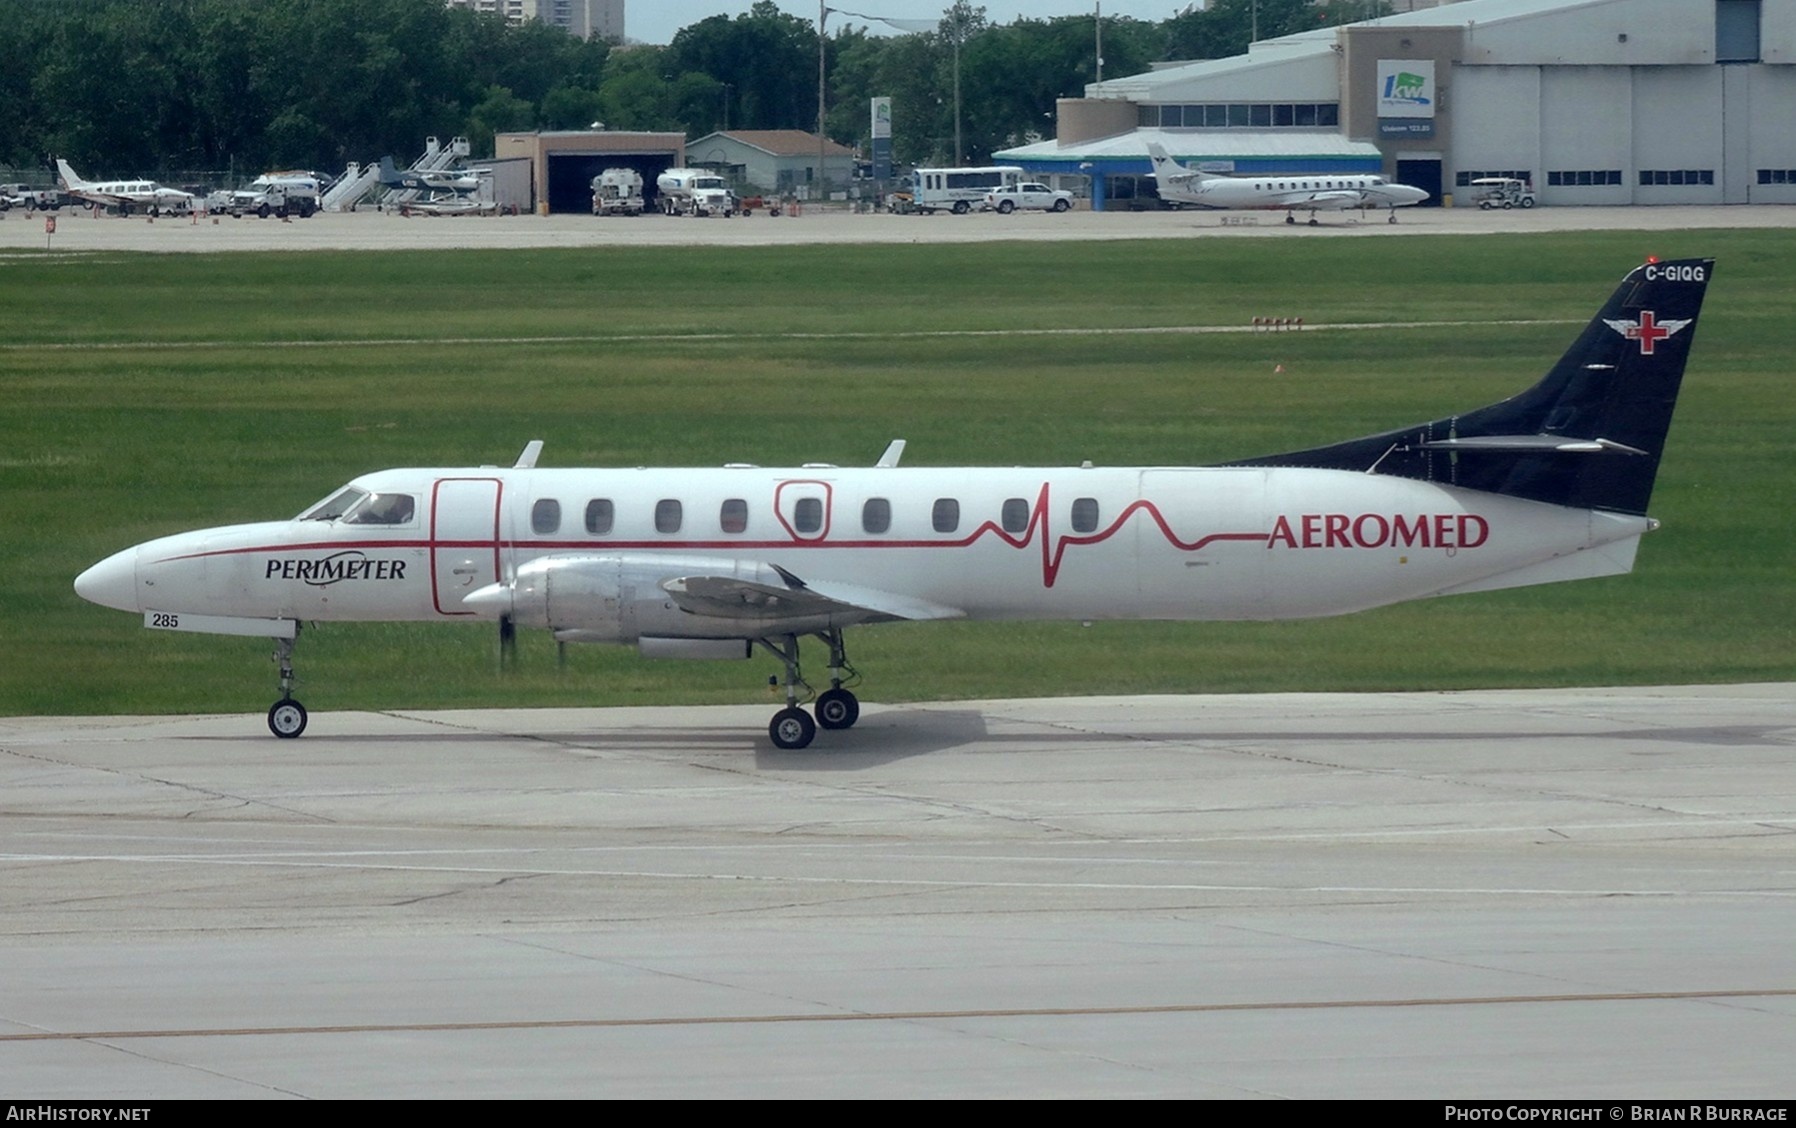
(1015, 515)
(734, 516)
(668, 516)
(876, 515)
(599, 516)
(1085, 515)
(946, 515)
(545, 516)
(807, 515)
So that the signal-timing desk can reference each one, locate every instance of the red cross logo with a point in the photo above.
(1648, 330)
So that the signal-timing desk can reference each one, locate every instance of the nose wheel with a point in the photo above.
(286, 717)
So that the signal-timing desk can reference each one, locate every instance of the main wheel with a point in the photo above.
(1005, 207)
(960, 207)
(790, 728)
(837, 709)
(1061, 205)
(286, 718)
(1527, 201)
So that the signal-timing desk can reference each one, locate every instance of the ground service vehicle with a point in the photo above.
(617, 191)
(958, 190)
(695, 191)
(1504, 192)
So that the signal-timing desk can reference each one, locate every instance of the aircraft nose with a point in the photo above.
(112, 582)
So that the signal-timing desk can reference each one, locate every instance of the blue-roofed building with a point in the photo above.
(1589, 101)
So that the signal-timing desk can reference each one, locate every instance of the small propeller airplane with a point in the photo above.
(444, 191)
(145, 195)
(1549, 485)
(1290, 194)
(460, 181)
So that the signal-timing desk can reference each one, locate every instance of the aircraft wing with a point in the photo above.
(727, 597)
(1329, 200)
(104, 199)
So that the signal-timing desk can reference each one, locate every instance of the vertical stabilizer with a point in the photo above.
(1589, 434)
(70, 182)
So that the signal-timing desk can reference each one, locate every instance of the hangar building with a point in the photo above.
(1592, 101)
(562, 164)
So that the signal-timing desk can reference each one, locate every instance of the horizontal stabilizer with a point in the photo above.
(1534, 443)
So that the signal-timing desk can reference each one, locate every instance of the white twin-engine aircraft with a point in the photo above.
(144, 195)
(1289, 194)
(710, 563)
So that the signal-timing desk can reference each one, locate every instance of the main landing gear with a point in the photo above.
(836, 707)
(286, 717)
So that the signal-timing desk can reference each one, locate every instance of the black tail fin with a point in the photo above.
(1588, 435)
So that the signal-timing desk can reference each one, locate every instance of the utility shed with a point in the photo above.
(780, 161)
(563, 163)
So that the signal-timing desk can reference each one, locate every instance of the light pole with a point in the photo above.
(822, 14)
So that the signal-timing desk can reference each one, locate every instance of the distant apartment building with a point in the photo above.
(589, 19)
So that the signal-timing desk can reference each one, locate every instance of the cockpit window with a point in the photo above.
(382, 509)
(335, 505)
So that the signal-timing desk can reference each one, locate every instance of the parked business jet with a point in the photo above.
(1290, 194)
(1549, 485)
(144, 195)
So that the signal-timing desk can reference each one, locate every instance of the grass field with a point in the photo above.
(150, 394)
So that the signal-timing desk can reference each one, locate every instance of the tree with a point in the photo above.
(1228, 26)
(500, 111)
(767, 58)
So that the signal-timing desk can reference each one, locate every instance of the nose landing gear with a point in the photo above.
(286, 717)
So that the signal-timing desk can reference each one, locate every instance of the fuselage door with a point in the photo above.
(464, 540)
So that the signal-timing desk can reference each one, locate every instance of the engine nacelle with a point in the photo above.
(619, 598)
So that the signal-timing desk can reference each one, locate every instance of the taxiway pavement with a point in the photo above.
(1516, 894)
(79, 231)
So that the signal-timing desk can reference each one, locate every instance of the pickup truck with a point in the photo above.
(29, 198)
(1028, 196)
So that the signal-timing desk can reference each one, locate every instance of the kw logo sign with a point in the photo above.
(1404, 86)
